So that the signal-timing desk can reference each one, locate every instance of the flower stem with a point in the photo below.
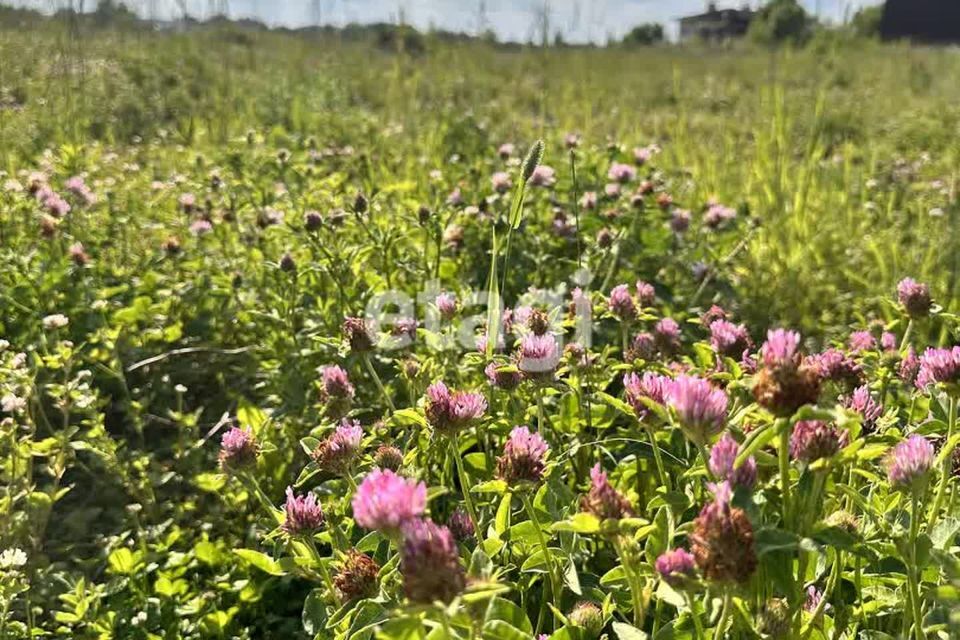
(913, 571)
(784, 459)
(547, 554)
(719, 632)
(944, 467)
(702, 448)
(376, 379)
(905, 341)
(697, 623)
(658, 459)
(464, 484)
(324, 572)
(635, 589)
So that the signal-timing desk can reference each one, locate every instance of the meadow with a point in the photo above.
(309, 336)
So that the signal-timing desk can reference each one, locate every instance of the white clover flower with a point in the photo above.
(55, 321)
(12, 558)
(12, 403)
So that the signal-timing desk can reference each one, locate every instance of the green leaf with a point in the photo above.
(251, 417)
(261, 561)
(501, 609)
(580, 523)
(616, 403)
(625, 631)
(407, 418)
(314, 616)
(124, 562)
(490, 486)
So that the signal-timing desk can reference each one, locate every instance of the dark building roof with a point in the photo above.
(921, 20)
(716, 24)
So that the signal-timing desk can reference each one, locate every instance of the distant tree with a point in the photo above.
(866, 22)
(644, 34)
(782, 22)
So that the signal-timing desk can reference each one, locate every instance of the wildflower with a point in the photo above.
(450, 412)
(701, 409)
(523, 459)
(171, 246)
(621, 303)
(460, 526)
(914, 297)
(312, 221)
(287, 263)
(836, 366)
(539, 356)
(664, 201)
(622, 173)
(77, 254)
(676, 566)
(646, 295)
(642, 347)
(813, 600)
(723, 456)
(729, 339)
(303, 514)
(862, 403)
(357, 577)
(722, 540)
(939, 366)
(612, 190)
(505, 150)
(602, 500)
(908, 465)
(888, 341)
(717, 215)
(843, 520)
(588, 617)
(699, 270)
(55, 321)
(775, 618)
(812, 440)
(187, 202)
(357, 334)
(337, 452)
(360, 203)
(501, 182)
(388, 457)
(651, 386)
(430, 563)
(201, 227)
(862, 341)
(12, 558)
(589, 200)
(679, 220)
(786, 382)
(714, 313)
(385, 501)
(336, 392)
(503, 377)
(446, 305)
(543, 176)
(238, 449)
(571, 140)
(605, 238)
(641, 155)
(909, 366)
(538, 321)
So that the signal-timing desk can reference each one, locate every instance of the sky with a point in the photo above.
(516, 20)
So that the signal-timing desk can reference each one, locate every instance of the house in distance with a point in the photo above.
(716, 24)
